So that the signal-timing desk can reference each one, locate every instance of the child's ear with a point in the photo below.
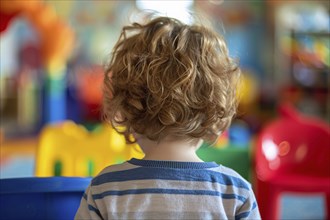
(212, 138)
(118, 116)
(108, 76)
(136, 136)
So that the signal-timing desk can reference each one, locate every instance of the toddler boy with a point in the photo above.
(171, 86)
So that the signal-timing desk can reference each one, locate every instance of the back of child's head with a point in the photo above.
(169, 79)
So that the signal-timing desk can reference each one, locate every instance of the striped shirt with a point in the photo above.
(146, 189)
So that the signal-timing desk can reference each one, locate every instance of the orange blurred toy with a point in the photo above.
(56, 43)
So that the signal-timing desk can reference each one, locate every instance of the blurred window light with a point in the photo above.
(180, 10)
(305, 17)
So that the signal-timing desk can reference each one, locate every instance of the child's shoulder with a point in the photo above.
(232, 177)
(111, 173)
(117, 167)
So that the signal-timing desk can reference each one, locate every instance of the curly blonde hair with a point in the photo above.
(166, 78)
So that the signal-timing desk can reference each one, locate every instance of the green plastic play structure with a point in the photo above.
(237, 158)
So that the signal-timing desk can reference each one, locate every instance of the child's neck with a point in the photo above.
(170, 150)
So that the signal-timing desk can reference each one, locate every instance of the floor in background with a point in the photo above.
(17, 157)
(15, 167)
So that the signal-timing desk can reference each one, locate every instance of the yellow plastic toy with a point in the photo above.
(68, 149)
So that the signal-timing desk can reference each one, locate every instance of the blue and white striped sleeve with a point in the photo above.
(249, 210)
(88, 208)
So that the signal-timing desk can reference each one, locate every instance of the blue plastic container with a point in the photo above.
(41, 198)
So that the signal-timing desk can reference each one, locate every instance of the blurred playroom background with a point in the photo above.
(51, 72)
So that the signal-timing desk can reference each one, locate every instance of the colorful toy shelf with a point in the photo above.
(309, 55)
